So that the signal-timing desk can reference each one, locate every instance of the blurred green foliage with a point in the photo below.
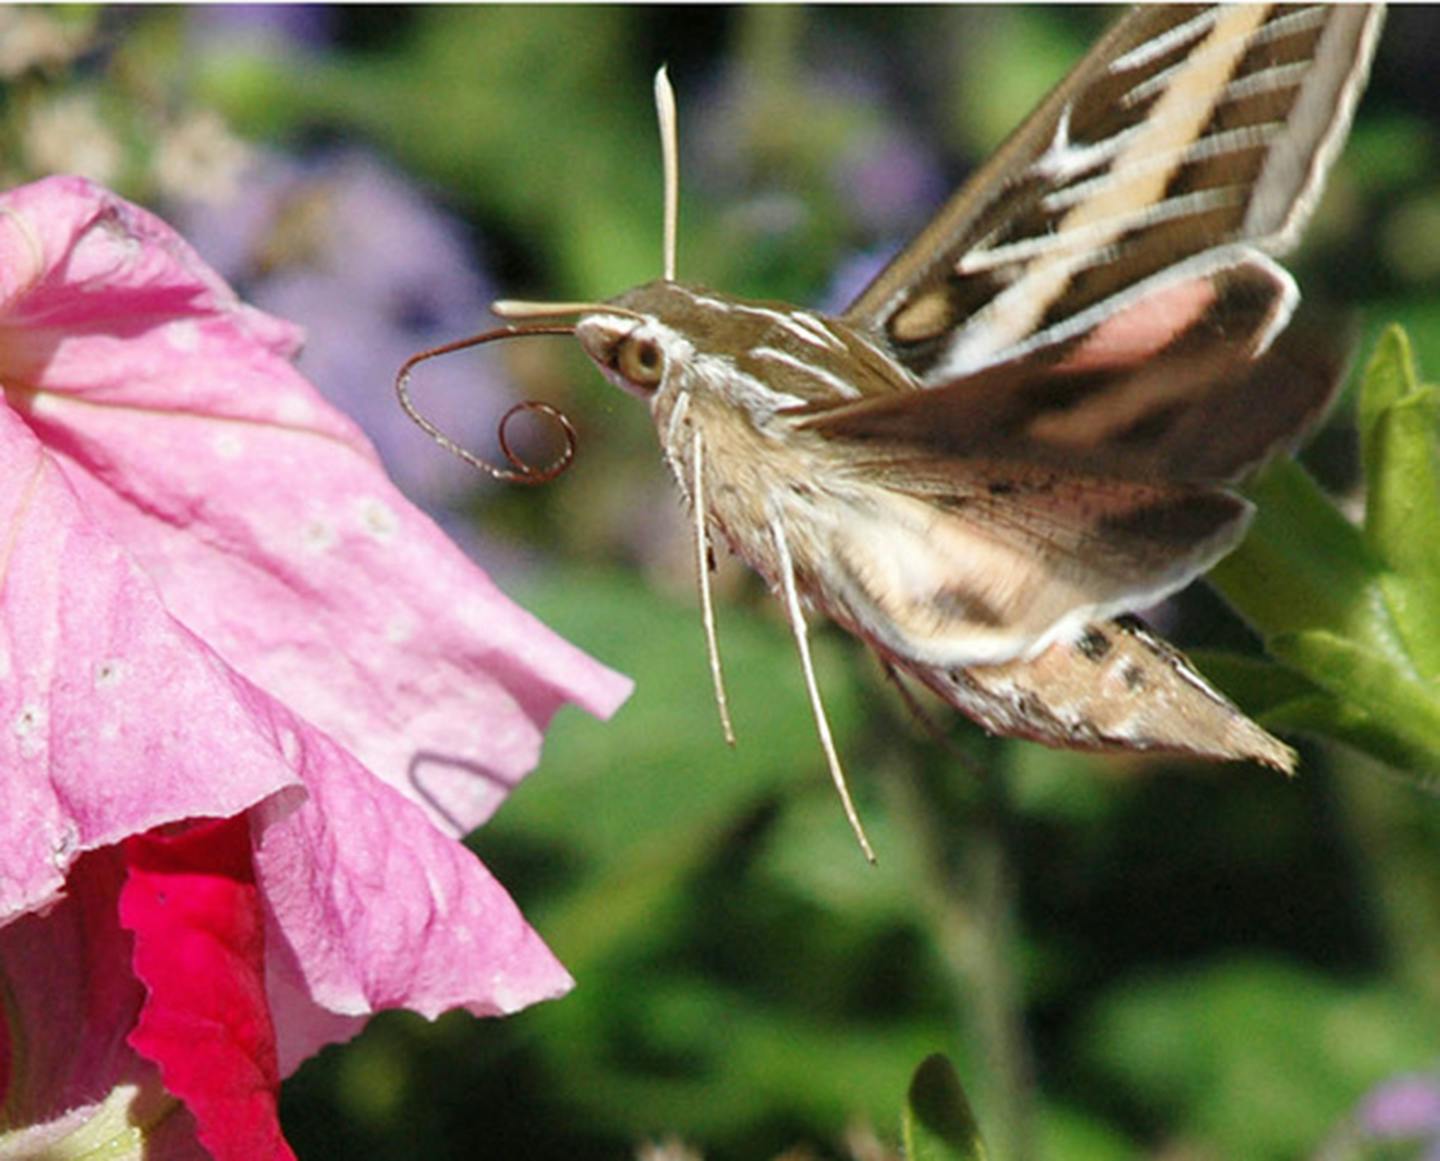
(1125, 958)
(939, 1124)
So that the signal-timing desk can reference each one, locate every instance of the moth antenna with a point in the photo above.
(519, 471)
(670, 159)
(802, 641)
(707, 606)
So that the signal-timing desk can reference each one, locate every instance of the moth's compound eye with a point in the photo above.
(641, 362)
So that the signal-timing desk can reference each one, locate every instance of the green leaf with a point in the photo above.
(1303, 565)
(1389, 377)
(646, 1051)
(808, 857)
(1262, 687)
(1419, 318)
(937, 1124)
(1356, 612)
(1414, 599)
(1324, 715)
(1254, 1058)
(1287, 702)
(1398, 428)
(1387, 693)
(632, 805)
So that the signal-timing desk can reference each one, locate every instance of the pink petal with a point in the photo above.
(114, 718)
(69, 999)
(372, 908)
(193, 906)
(262, 515)
(182, 513)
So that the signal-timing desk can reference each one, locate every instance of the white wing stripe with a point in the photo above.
(1262, 81)
(1064, 161)
(1284, 76)
(1277, 29)
(1101, 230)
(1216, 145)
(1143, 54)
(1180, 115)
(1302, 20)
(1313, 110)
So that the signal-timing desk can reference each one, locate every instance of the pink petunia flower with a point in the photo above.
(249, 697)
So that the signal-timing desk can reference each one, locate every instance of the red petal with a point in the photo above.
(191, 901)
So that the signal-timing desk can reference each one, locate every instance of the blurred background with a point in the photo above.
(1125, 958)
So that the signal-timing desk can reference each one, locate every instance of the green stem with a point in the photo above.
(1395, 844)
(968, 894)
(1303, 565)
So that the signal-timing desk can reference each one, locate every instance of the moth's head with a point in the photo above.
(635, 341)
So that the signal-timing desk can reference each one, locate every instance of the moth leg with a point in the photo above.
(921, 715)
(702, 568)
(911, 703)
(802, 641)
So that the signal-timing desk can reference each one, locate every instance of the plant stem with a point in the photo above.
(967, 890)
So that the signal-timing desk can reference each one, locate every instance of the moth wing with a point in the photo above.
(1004, 511)
(1186, 383)
(1186, 128)
(949, 564)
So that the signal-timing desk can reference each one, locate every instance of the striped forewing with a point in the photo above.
(1187, 136)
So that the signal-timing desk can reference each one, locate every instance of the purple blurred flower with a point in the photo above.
(838, 114)
(1403, 1108)
(853, 275)
(261, 28)
(889, 180)
(1399, 1117)
(373, 272)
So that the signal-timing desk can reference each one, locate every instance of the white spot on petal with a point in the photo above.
(294, 409)
(399, 629)
(290, 748)
(474, 615)
(227, 445)
(318, 536)
(125, 246)
(183, 335)
(46, 403)
(378, 519)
